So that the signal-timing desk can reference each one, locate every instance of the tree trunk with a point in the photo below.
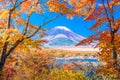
(116, 63)
(114, 54)
(2, 63)
(119, 75)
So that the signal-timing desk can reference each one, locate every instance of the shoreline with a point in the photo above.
(73, 48)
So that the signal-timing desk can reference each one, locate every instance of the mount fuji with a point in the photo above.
(61, 36)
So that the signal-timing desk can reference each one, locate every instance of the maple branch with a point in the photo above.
(11, 10)
(109, 20)
(13, 47)
(106, 11)
(44, 25)
(27, 24)
(9, 18)
(112, 31)
(4, 49)
(111, 11)
(12, 2)
(5, 46)
(15, 2)
(20, 40)
(112, 16)
(20, 3)
(3, 56)
(46, 17)
(115, 30)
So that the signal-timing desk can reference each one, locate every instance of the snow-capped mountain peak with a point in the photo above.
(62, 28)
(62, 36)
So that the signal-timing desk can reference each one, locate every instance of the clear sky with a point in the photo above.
(77, 25)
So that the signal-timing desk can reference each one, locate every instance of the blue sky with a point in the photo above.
(77, 25)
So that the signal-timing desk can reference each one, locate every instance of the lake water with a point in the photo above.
(75, 60)
(84, 60)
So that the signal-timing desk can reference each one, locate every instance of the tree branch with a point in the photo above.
(106, 13)
(44, 25)
(9, 18)
(11, 10)
(15, 2)
(112, 16)
(27, 24)
(110, 25)
(20, 3)
(13, 47)
(111, 11)
(20, 40)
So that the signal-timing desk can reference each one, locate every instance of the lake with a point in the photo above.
(59, 62)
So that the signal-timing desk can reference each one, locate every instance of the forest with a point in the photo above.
(23, 55)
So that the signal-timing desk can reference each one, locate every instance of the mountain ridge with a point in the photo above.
(62, 36)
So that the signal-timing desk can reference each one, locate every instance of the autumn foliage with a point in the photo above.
(106, 26)
(16, 32)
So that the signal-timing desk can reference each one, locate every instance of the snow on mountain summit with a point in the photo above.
(62, 36)
(62, 27)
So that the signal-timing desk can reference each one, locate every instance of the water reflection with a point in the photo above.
(79, 61)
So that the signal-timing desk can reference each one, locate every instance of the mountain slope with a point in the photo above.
(62, 36)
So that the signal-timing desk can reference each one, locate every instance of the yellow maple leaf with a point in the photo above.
(4, 13)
